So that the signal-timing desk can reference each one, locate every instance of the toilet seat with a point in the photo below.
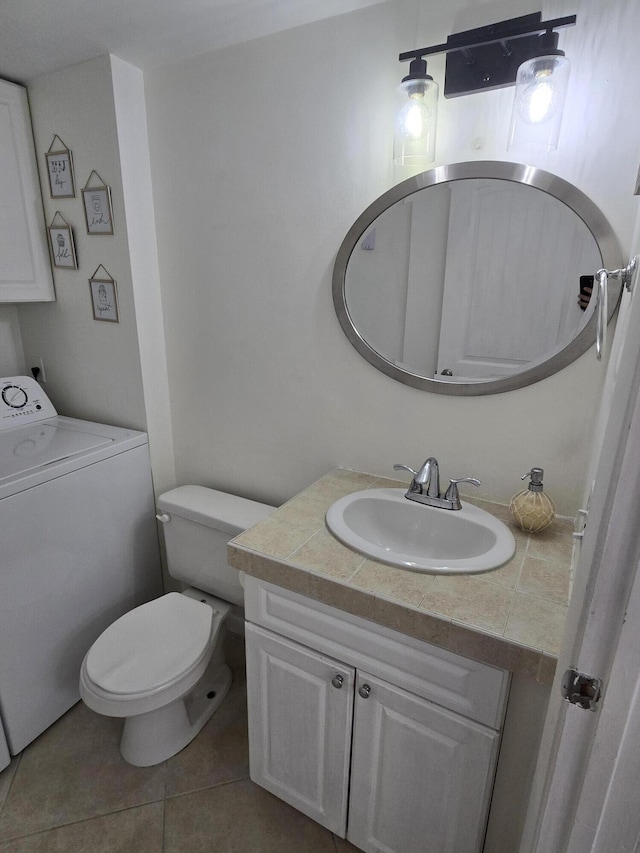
(154, 635)
(151, 647)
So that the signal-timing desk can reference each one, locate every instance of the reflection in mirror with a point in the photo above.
(471, 284)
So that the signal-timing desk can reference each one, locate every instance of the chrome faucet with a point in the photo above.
(426, 481)
(425, 486)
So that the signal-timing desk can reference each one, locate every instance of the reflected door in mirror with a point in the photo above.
(512, 278)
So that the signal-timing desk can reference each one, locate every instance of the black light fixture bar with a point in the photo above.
(491, 34)
(489, 57)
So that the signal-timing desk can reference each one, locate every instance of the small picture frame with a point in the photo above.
(61, 245)
(60, 170)
(97, 206)
(104, 297)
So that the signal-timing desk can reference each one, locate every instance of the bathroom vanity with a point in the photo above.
(350, 720)
(402, 711)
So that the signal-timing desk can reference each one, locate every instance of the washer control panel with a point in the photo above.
(22, 402)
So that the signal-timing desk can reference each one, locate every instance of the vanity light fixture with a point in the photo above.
(520, 50)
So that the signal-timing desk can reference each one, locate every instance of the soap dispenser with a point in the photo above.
(532, 509)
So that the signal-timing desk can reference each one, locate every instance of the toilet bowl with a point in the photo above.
(161, 666)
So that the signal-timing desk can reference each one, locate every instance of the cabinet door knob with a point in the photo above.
(337, 681)
(364, 690)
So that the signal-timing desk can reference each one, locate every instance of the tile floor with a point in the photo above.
(70, 792)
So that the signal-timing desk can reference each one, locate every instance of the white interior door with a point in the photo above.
(514, 253)
(568, 780)
(607, 817)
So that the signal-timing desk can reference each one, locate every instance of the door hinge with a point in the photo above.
(580, 689)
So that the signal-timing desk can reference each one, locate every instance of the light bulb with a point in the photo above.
(415, 119)
(538, 103)
(415, 125)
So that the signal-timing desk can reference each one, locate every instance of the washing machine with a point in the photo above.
(78, 548)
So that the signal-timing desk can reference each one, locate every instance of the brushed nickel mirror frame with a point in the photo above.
(560, 189)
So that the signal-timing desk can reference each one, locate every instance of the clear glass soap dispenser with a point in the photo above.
(533, 510)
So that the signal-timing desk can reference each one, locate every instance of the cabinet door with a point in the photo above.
(421, 776)
(25, 269)
(300, 716)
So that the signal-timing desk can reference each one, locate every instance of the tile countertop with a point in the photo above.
(512, 617)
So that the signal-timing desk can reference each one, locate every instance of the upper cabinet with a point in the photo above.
(25, 268)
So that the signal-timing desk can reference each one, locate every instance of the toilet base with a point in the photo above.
(151, 738)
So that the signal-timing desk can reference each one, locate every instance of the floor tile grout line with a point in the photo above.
(69, 823)
(162, 800)
(18, 758)
(206, 788)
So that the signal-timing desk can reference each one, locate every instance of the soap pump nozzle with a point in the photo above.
(536, 475)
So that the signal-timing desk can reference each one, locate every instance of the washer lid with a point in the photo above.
(151, 646)
(30, 447)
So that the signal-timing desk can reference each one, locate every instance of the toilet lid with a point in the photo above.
(151, 646)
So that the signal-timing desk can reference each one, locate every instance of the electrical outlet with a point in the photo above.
(38, 362)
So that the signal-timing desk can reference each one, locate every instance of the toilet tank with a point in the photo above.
(200, 523)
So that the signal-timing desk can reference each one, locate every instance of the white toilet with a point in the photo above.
(161, 665)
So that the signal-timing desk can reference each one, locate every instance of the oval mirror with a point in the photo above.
(466, 279)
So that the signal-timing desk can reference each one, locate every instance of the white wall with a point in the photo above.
(92, 368)
(262, 157)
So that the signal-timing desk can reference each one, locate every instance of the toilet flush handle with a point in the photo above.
(164, 517)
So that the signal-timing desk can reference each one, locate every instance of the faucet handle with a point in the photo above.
(452, 492)
(399, 467)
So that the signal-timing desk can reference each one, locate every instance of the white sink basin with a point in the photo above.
(384, 525)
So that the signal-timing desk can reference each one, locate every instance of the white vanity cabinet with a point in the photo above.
(385, 740)
(421, 776)
(300, 717)
(25, 269)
